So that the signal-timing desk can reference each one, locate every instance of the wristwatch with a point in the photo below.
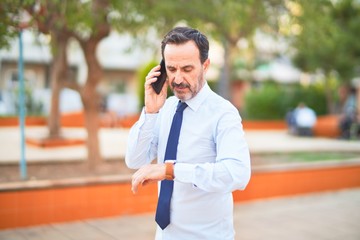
(169, 169)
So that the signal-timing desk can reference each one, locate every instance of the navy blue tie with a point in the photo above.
(163, 208)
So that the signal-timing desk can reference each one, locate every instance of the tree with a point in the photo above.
(227, 21)
(50, 21)
(99, 28)
(88, 22)
(88, 26)
(9, 23)
(327, 40)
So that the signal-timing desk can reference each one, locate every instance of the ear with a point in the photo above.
(206, 65)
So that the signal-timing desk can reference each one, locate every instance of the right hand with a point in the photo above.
(147, 174)
(153, 101)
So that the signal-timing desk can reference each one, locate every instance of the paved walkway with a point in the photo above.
(331, 215)
(322, 216)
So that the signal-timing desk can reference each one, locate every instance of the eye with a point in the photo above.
(188, 69)
(170, 69)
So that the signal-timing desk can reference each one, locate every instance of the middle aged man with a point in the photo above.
(198, 141)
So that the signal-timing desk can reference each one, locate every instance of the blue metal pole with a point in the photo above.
(22, 110)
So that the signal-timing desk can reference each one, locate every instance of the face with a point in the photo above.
(184, 69)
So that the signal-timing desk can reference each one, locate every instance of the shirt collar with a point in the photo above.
(195, 102)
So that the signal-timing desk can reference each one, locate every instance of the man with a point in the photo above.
(349, 125)
(211, 155)
(305, 119)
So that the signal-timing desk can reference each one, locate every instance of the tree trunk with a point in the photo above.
(224, 81)
(91, 102)
(230, 53)
(330, 102)
(89, 95)
(91, 110)
(58, 73)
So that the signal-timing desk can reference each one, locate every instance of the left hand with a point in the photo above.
(146, 174)
(153, 101)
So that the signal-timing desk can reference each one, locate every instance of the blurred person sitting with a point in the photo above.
(305, 120)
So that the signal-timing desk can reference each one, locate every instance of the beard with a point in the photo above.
(185, 91)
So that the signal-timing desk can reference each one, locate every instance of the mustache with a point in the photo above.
(180, 85)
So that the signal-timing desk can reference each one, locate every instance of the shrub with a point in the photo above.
(271, 101)
(33, 107)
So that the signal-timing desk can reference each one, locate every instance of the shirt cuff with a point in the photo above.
(147, 120)
(184, 172)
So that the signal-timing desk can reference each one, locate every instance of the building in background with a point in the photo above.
(119, 58)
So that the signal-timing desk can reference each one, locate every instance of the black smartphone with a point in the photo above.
(158, 85)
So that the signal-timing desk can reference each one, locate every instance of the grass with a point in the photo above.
(303, 157)
(322, 156)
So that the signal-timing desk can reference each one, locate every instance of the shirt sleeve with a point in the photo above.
(231, 170)
(142, 141)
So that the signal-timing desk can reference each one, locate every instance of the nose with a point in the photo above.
(177, 77)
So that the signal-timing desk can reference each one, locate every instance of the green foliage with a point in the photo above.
(265, 103)
(32, 107)
(321, 156)
(226, 21)
(329, 37)
(305, 156)
(272, 101)
(313, 96)
(141, 75)
(213, 85)
(9, 12)
(140, 18)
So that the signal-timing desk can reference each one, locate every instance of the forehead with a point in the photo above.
(177, 53)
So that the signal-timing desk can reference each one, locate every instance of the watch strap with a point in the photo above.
(169, 170)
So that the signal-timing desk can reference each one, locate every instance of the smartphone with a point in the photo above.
(158, 85)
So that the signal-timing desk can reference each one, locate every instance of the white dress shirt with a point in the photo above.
(305, 117)
(212, 161)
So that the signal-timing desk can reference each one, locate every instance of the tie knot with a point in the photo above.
(181, 106)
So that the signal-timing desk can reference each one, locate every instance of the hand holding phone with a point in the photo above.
(158, 85)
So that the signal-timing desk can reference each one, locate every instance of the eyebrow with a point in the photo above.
(186, 66)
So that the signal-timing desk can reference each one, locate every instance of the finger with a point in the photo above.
(152, 75)
(135, 176)
(135, 181)
(154, 72)
(151, 78)
(156, 68)
(134, 187)
(147, 182)
(164, 89)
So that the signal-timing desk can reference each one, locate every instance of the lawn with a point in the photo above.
(271, 158)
